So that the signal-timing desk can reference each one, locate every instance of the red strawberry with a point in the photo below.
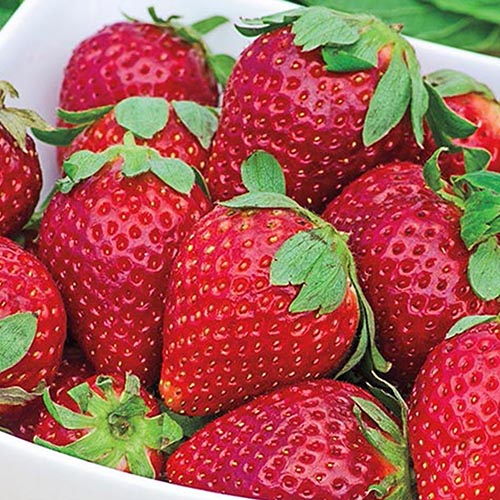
(235, 325)
(300, 442)
(32, 327)
(109, 420)
(73, 370)
(453, 417)
(20, 174)
(411, 261)
(474, 102)
(134, 58)
(296, 95)
(109, 241)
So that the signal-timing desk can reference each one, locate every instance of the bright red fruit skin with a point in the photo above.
(73, 370)
(109, 243)
(411, 262)
(20, 183)
(49, 430)
(173, 141)
(299, 442)
(131, 58)
(282, 100)
(228, 334)
(453, 419)
(26, 286)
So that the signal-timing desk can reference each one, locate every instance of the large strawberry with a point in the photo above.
(236, 324)
(32, 327)
(20, 174)
(109, 239)
(453, 417)
(134, 58)
(109, 420)
(329, 94)
(412, 262)
(475, 102)
(316, 440)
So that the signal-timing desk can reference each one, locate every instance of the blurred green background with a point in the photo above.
(467, 24)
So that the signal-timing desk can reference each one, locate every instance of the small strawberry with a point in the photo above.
(32, 327)
(236, 324)
(73, 370)
(476, 103)
(109, 420)
(453, 416)
(329, 94)
(20, 174)
(317, 440)
(133, 58)
(412, 262)
(109, 238)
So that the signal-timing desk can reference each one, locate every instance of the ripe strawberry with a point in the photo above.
(32, 327)
(109, 420)
(235, 325)
(411, 261)
(73, 370)
(328, 105)
(135, 58)
(20, 174)
(474, 102)
(109, 239)
(453, 416)
(300, 442)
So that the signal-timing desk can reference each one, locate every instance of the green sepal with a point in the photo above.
(265, 24)
(81, 395)
(84, 117)
(80, 166)
(261, 172)
(201, 121)
(17, 333)
(175, 173)
(432, 172)
(17, 396)
(222, 65)
(261, 200)
(65, 417)
(419, 103)
(209, 24)
(143, 116)
(484, 269)
(449, 83)
(464, 324)
(58, 136)
(475, 159)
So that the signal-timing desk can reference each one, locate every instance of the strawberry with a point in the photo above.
(307, 441)
(109, 238)
(476, 103)
(135, 58)
(411, 260)
(453, 414)
(109, 420)
(32, 327)
(236, 324)
(330, 95)
(73, 370)
(20, 174)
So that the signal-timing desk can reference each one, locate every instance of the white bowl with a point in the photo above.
(34, 48)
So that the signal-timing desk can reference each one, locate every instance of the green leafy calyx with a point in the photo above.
(449, 83)
(116, 425)
(464, 324)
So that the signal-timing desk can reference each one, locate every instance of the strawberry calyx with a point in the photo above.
(317, 260)
(117, 425)
(353, 42)
(477, 195)
(15, 120)
(17, 396)
(468, 322)
(143, 116)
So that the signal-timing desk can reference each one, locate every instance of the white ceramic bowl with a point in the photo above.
(34, 48)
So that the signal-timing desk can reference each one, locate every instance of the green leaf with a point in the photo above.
(58, 136)
(464, 324)
(136, 161)
(201, 121)
(17, 333)
(484, 269)
(174, 172)
(84, 117)
(319, 26)
(7, 8)
(389, 102)
(432, 172)
(262, 172)
(357, 57)
(17, 396)
(449, 82)
(65, 417)
(209, 24)
(261, 200)
(222, 65)
(260, 25)
(315, 260)
(81, 396)
(476, 159)
(83, 164)
(485, 10)
(419, 97)
(483, 179)
(143, 116)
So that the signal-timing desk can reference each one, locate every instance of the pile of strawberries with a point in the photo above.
(293, 297)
